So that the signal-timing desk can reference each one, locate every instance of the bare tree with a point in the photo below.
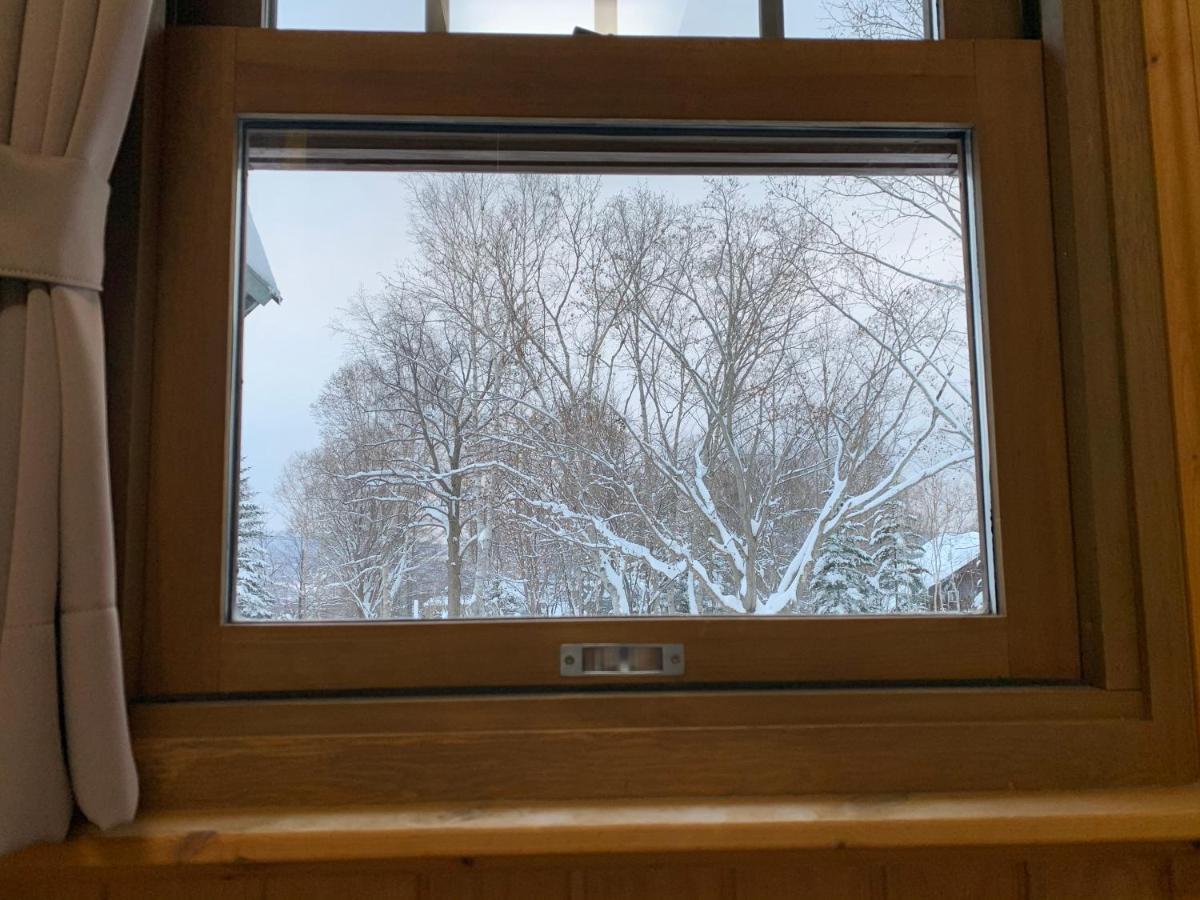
(761, 360)
(628, 404)
(879, 19)
(301, 572)
(365, 529)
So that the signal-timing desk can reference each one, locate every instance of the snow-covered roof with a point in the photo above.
(258, 281)
(946, 554)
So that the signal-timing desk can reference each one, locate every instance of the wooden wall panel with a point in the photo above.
(513, 884)
(157, 887)
(1000, 880)
(1185, 877)
(375, 886)
(1108, 878)
(831, 882)
(668, 882)
(54, 890)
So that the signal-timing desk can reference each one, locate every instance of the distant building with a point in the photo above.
(954, 574)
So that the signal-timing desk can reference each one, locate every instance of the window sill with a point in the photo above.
(1146, 815)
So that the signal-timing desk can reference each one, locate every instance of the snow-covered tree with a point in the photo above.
(632, 404)
(255, 598)
(841, 583)
(757, 371)
(362, 537)
(899, 578)
(303, 573)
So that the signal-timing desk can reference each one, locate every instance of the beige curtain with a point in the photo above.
(67, 74)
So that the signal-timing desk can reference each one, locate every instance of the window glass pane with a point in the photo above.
(857, 19)
(683, 18)
(351, 15)
(496, 375)
(686, 18)
(522, 16)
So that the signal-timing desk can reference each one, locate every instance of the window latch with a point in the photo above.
(620, 659)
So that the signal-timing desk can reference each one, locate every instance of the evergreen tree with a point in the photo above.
(253, 565)
(896, 558)
(840, 583)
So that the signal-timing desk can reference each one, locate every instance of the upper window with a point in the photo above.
(883, 19)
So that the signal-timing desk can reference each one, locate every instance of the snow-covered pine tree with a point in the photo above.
(253, 573)
(896, 560)
(840, 583)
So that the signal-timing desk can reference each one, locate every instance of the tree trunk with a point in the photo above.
(750, 596)
(301, 580)
(453, 564)
(483, 550)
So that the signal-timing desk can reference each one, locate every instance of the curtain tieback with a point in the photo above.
(52, 211)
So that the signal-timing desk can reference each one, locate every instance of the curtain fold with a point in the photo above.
(67, 75)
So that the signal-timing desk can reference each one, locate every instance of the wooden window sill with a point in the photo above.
(1142, 815)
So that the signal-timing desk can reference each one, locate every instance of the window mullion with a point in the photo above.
(770, 18)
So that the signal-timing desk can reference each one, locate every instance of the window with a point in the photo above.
(667, 385)
(556, 469)
(297, 164)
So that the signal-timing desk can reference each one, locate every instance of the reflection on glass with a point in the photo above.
(521, 394)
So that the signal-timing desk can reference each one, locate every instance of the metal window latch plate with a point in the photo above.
(620, 659)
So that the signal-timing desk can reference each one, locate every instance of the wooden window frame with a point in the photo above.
(1126, 718)
(248, 75)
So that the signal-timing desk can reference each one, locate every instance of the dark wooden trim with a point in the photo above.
(241, 13)
(130, 293)
(983, 19)
(771, 22)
